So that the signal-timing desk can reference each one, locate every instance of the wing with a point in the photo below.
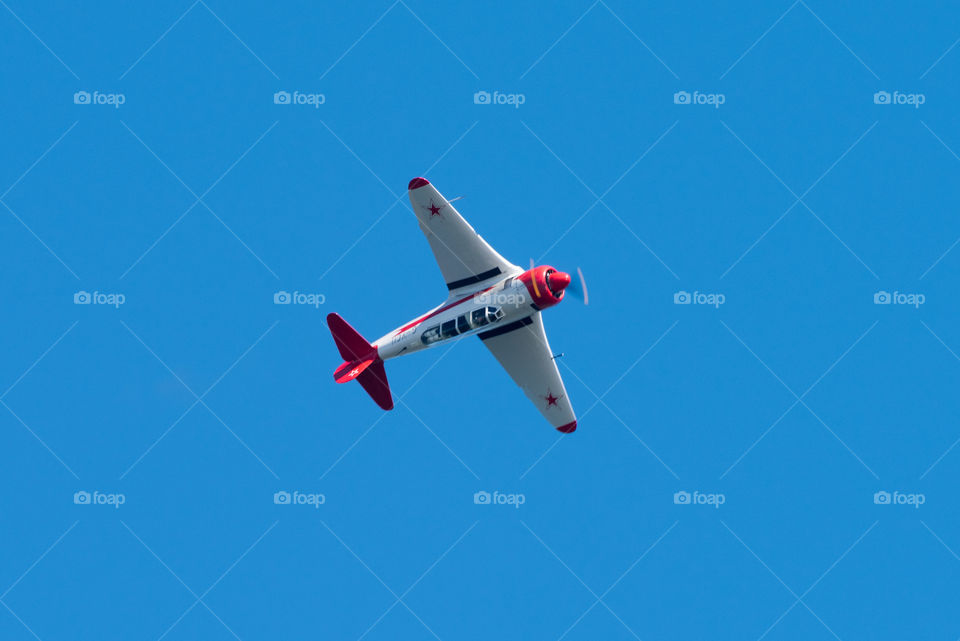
(465, 259)
(523, 350)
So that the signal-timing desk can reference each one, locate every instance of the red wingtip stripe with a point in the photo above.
(416, 183)
(568, 428)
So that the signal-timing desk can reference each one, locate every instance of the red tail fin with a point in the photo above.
(351, 344)
(361, 362)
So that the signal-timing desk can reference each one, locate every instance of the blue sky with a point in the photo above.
(779, 464)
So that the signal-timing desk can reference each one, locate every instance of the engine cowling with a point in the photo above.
(545, 285)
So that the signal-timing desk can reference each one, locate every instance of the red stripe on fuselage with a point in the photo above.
(441, 310)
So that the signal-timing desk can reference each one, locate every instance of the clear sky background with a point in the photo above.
(793, 403)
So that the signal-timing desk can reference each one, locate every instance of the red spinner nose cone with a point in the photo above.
(559, 281)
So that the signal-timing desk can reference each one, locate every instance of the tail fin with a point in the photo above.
(351, 344)
(361, 362)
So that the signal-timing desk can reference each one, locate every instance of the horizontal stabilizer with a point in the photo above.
(352, 369)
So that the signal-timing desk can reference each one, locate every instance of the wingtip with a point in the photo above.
(568, 428)
(416, 183)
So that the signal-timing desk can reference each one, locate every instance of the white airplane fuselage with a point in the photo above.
(502, 304)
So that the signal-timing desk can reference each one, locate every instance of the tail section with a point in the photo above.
(361, 362)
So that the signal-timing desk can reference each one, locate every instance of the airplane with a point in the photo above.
(489, 297)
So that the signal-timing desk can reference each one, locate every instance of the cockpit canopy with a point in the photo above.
(462, 324)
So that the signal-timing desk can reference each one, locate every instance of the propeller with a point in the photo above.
(579, 287)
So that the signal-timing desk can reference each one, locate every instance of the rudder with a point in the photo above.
(350, 343)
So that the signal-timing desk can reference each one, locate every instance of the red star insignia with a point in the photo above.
(551, 399)
(434, 210)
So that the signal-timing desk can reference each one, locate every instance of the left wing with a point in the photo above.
(523, 350)
(465, 259)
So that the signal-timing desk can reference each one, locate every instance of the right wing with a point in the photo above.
(522, 349)
(465, 259)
